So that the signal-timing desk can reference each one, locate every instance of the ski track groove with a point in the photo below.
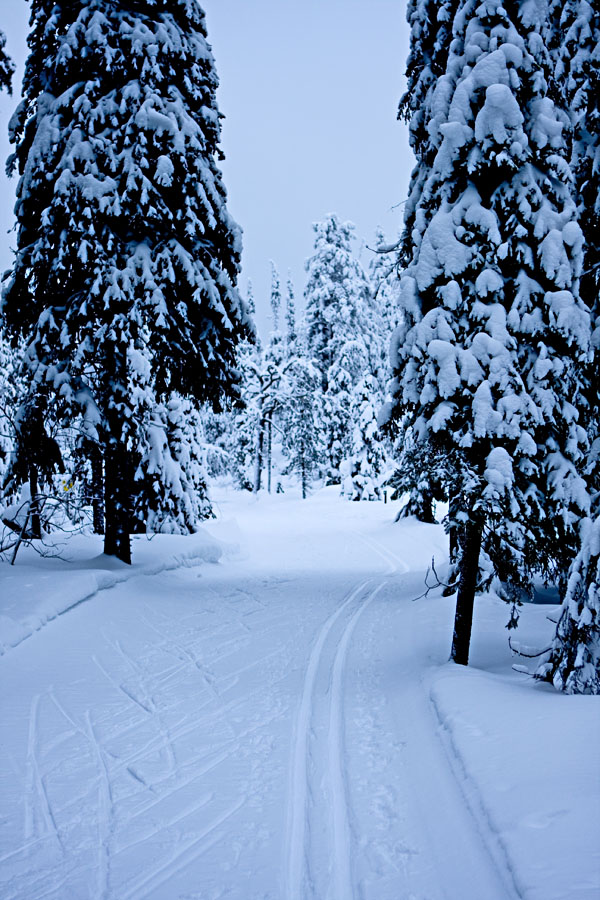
(121, 687)
(297, 829)
(183, 857)
(105, 813)
(165, 735)
(342, 838)
(297, 868)
(176, 649)
(36, 782)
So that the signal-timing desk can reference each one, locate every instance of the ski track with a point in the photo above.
(330, 663)
(105, 813)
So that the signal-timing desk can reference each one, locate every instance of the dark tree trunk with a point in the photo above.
(454, 548)
(269, 450)
(34, 509)
(258, 462)
(469, 568)
(97, 490)
(117, 500)
(303, 472)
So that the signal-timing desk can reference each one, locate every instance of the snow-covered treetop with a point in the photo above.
(337, 291)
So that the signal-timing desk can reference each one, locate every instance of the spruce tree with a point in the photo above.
(275, 363)
(291, 335)
(431, 33)
(495, 334)
(125, 275)
(303, 441)
(363, 469)
(573, 662)
(578, 85)
(7, 66)
(173, 459)
(338, 295)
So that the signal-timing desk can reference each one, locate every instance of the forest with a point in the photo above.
(234, 561)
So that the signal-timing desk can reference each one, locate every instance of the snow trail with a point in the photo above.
(299, 770)
(342, 840)
(264, 730)
(333, 663)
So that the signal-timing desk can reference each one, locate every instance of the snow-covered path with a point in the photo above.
(260, 728)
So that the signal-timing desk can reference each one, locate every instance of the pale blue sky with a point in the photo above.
(309, 89)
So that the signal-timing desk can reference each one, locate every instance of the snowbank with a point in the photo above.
(523, 755)
(38, 589)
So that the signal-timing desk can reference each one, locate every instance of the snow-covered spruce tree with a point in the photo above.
(362, 470)
(490, 354)
(303, 438)
(577, 24)
(337, 296)
(275, 364)
(291, 335)
(431, 24)
(172, 470)
(573, 662)
(124, 279)
(7, 66)
(340, 403)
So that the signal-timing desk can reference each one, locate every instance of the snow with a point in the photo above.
(39, 588)
(264, 710)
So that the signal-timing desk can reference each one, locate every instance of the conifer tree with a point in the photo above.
(173, 459)
(290, 317)
(337, 295)
(578, 85)
(490, 353)
(303, 441)
(7, 66)
(127, 260)
(250, 302)
(363, 469)
(431, 24)
(573, 662)
(275, 365)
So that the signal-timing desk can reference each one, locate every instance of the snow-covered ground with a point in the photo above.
(264, 710)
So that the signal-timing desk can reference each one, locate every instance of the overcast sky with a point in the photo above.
(309, 90)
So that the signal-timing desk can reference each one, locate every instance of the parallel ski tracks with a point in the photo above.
(326, 666)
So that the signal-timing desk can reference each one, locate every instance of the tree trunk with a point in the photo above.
(269, 451)
(117, 499)
(34, 508)
(97, 490)
(258, 461)
(469, 568)
(303, 472)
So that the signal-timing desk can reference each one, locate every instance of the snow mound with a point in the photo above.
(37, 590)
